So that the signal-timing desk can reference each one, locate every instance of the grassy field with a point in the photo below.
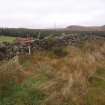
(44, 78)
(7, 39)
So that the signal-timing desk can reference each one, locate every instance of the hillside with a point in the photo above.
(85, 28)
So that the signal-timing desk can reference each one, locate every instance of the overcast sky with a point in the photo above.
(47, 13)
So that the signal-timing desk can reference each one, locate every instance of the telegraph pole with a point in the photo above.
(55, 26)
(38, 36)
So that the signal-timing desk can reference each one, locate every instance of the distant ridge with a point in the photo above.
(85, 28)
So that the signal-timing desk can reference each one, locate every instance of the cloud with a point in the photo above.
(44, 13)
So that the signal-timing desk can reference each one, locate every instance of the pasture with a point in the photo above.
(8, 39)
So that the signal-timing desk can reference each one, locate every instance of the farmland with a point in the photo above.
(8, 39)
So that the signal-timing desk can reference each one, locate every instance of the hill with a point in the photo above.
(85, 28)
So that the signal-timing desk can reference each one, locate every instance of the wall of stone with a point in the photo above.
(7, 51)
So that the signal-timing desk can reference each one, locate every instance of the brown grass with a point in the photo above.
(67, 77)
(70, 74)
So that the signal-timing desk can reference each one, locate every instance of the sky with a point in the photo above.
(51, 13)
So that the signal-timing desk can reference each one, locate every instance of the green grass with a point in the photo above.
(26, 93)
(96, 90)
(100, 72)
(23, 95)
(98, 79)
(7, 39)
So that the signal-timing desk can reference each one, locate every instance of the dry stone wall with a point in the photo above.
(8, 51)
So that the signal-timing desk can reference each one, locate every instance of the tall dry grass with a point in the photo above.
(66, 78)
(68, 84)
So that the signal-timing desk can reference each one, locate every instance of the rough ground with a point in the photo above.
(44, 78)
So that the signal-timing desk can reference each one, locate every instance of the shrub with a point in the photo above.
(59, 51)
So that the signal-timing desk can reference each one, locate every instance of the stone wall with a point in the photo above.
(8, 51)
